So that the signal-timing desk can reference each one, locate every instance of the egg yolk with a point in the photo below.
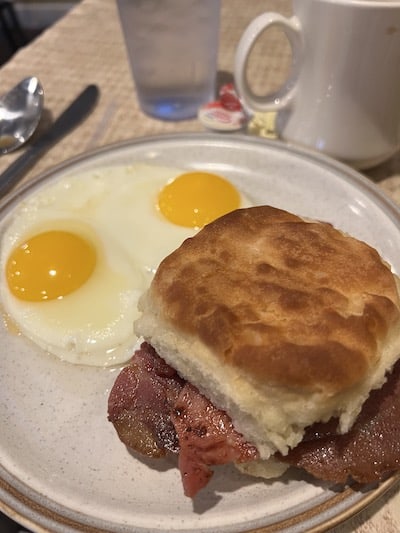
(50, 265)
(196, 198)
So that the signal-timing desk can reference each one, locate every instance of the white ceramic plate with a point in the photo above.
(63, 468)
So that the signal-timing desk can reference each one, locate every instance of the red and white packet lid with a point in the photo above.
(225, 114)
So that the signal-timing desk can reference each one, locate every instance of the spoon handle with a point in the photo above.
(69, 119)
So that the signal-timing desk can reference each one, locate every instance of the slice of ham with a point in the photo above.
(154, 412)
(368, 452)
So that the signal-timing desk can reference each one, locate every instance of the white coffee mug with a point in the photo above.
(342, 96)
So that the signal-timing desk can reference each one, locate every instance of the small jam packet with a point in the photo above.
(225, 114)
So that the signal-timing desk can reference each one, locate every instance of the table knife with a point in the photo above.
(78, 110)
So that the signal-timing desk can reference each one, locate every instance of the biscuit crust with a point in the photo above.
(288, 302)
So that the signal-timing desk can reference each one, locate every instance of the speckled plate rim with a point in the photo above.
(23, 505)
(18, 503)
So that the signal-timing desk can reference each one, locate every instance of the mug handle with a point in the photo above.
(282, 97)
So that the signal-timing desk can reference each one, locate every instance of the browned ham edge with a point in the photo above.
(367, 453)
(156, 412)
(141, 401)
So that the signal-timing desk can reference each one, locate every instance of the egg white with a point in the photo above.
(115, 209)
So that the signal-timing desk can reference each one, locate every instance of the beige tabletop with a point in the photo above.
(86, 47)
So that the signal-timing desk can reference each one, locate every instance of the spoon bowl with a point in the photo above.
(20, 112)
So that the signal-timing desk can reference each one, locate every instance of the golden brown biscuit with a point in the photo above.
(272, 316)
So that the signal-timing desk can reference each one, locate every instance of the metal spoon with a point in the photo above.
(20, 112)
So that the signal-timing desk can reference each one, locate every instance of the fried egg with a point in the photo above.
(78, 253)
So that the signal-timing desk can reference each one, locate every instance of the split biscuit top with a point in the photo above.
(280, 321)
